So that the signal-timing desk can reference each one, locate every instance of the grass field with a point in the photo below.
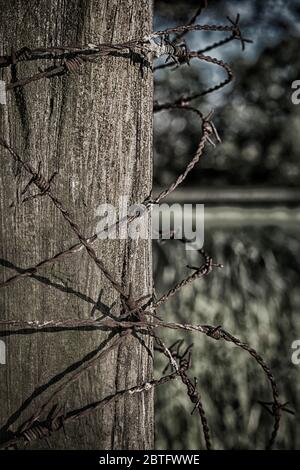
(256, 297)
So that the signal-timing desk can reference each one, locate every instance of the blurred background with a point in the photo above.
(250, 187)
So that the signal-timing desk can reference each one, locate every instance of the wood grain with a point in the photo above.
(95, 129)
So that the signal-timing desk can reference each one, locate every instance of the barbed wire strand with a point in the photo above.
(43, 185)
(43, 429)
(207, 129)
(213, 332)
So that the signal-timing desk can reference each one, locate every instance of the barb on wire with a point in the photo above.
(196, 399)
(176, 352)
(185, 100)
(203, 5)
(269, 407)
(237, 32)
(199, 273)
(184, 359)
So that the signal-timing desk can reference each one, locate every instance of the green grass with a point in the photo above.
(256, 297)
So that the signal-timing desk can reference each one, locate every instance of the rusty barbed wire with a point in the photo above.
(214, 332)
(27, 54)
(137, 315)
(200, 272)
(72, 57)
(185, 100)
(235, 35)
(63, 52)
(44, 186)
(195, 27)
(203, 6)
(185, 358)
(208, 130)
(55, 422)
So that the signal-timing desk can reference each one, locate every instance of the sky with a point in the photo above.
(266, 23)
